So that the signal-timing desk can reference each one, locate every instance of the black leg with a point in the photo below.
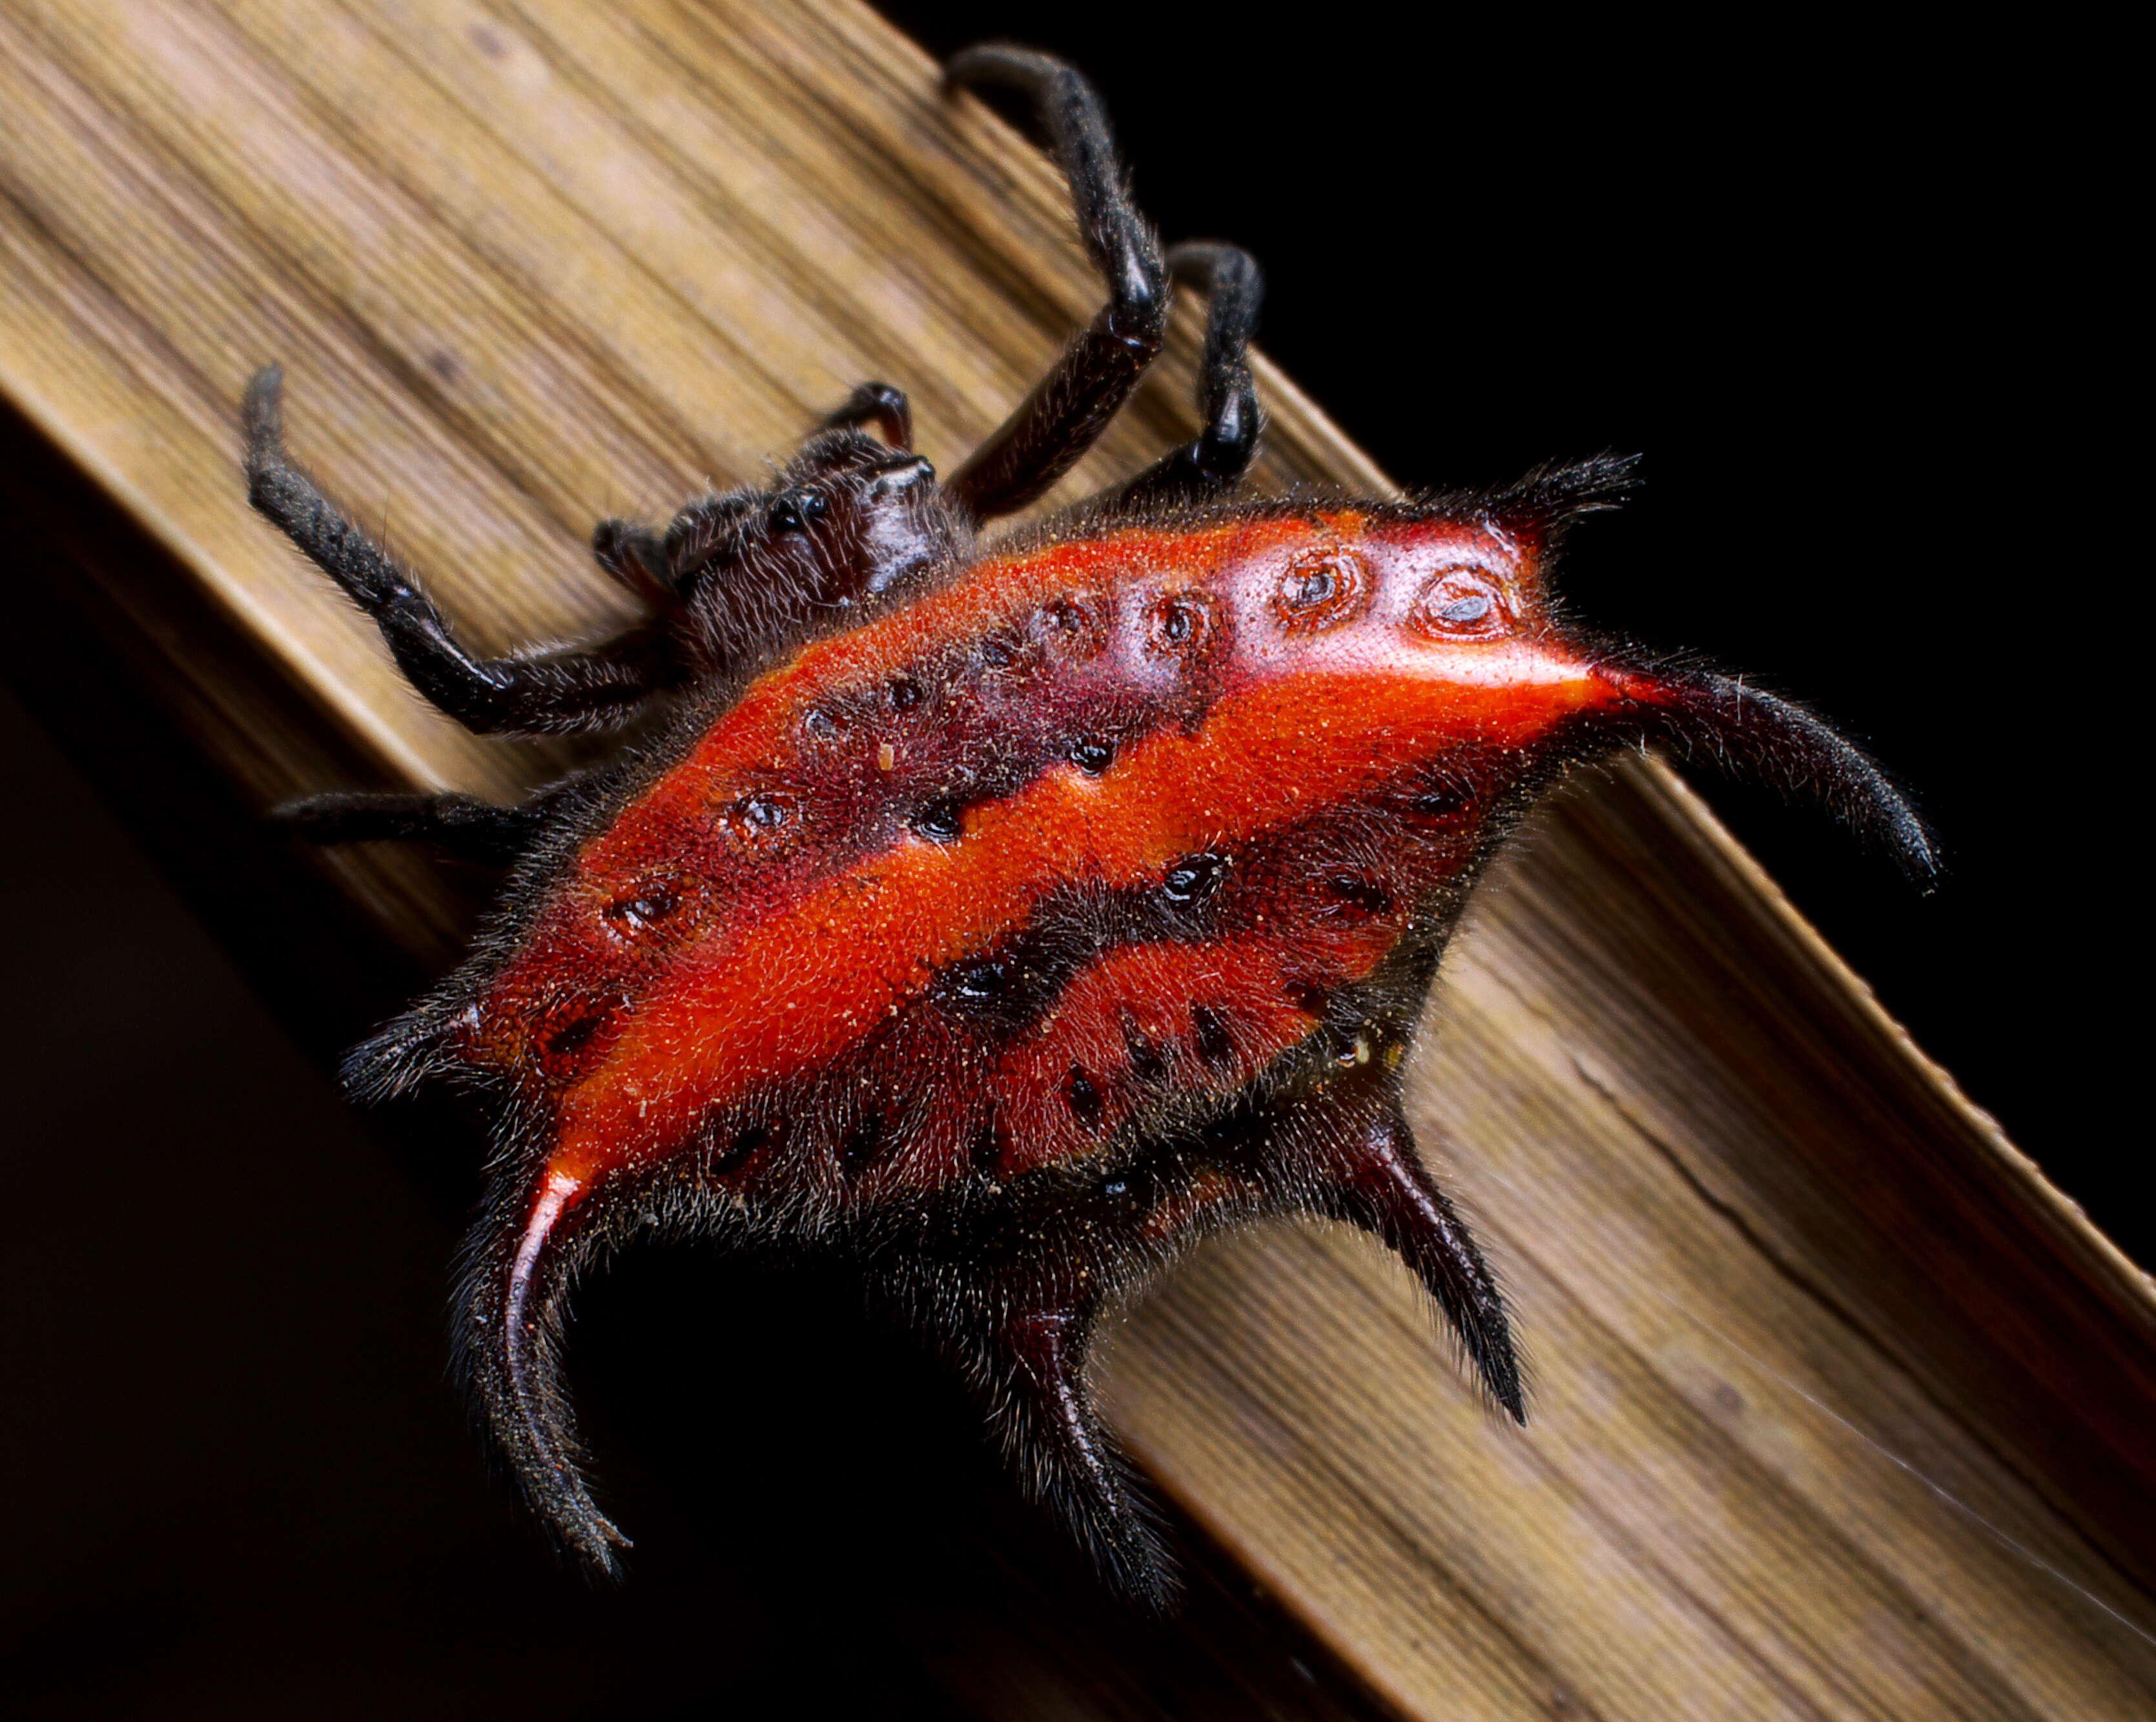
(556, 692)
(460, 825)
(1070, 405)
(879, 404)
(1216, 459)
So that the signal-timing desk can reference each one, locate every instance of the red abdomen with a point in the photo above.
(1084, 841)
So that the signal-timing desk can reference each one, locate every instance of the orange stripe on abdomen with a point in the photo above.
(758, 1004)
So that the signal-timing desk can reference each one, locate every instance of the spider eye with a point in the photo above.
(1071, 627)
(797, 509)
(1461, 604)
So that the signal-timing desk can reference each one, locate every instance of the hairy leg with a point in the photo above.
(1070, 405)
(459, 825)
(547, 693)
(1213, 461)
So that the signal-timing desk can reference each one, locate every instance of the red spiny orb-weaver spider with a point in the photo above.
(1003, 915)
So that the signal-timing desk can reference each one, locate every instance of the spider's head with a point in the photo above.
(854, 520)
(848, 524)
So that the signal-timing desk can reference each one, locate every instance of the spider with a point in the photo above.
(1003, 916)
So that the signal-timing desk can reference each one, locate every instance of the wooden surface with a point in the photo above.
(1840, 1410)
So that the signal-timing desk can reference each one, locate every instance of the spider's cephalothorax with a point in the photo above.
(1005, 917)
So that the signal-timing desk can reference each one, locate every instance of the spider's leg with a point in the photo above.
(1070, 405)
(1214, 461)
(459, 825)
(879, 404)
(550, 693)
(1346, 1152)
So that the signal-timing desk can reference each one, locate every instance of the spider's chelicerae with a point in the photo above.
(1005, 916)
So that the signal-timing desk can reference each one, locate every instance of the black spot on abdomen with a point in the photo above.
(737, 1153)
(1147, 1063)
(1359, 893)
(1086, 1105)
(861, 1145)
(1210, 1029)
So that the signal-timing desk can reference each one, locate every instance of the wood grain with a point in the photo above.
(1842, 1412)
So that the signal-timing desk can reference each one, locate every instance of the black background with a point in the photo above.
(1843, 283)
